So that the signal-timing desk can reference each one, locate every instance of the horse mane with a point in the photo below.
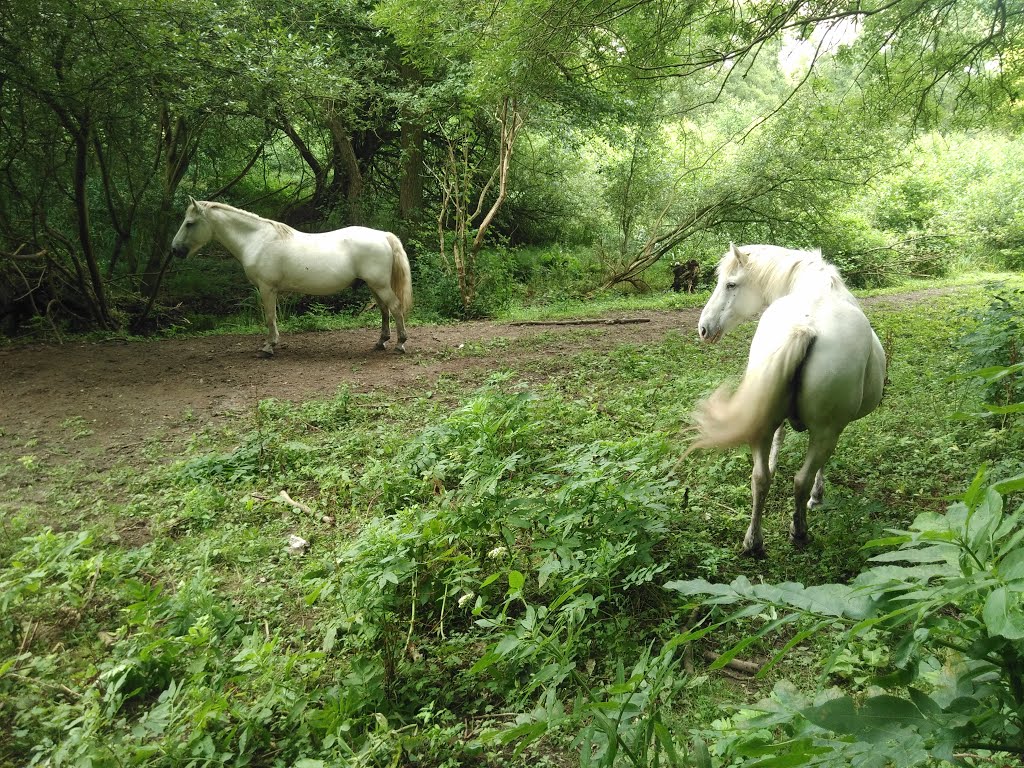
(282, 229)
(778, 270)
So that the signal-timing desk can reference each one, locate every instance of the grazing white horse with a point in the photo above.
(277, 258)
(814, 360)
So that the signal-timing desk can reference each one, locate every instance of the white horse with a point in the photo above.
(814, 360)
(277, 258)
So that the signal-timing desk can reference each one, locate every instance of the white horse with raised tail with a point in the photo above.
(814, 361)
(279, 259)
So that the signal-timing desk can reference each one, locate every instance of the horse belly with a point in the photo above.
(316, 271)
(319, 280)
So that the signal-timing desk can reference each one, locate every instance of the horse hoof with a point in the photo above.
(754, 551)
(400, 349)
(379, 346)
(265, 354)
(799, 542)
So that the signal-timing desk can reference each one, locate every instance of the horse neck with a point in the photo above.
(236, 229)
(809, 277)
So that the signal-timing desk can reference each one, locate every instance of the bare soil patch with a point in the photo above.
(98, 401)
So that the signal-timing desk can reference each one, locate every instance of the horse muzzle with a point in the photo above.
(180, 251)
(707, 334)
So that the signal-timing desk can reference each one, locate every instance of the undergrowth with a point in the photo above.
(481, 576)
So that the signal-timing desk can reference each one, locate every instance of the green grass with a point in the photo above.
(477, 560)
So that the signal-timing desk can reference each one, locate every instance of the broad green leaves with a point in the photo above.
(956, 604)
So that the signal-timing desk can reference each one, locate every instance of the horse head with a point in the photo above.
(736, 297)
(195, 231)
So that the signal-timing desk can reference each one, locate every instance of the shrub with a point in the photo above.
(948, 601)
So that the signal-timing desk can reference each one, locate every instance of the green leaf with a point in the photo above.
(973, 493)
(700, 755)
(550, 565)
(876, 721)
(837, 715)
(987, 514)
(484, 662)
(1003, 614)
(788, 759)
(937, 553)
(886, 542)
(925, 703)
(1014, 541)
(1010, 484)
(1011, 567)
(826, 599)
(516, 581)
(1000, 410)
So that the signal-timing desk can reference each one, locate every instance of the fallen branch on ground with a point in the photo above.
(746, 667)
(612, 321)
(297, 504)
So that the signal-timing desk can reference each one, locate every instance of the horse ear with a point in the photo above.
(737, 253)
(193, 201)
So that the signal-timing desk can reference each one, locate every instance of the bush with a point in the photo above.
(996, 346)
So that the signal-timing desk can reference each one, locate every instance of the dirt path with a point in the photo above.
(123, 392)
(98, 400)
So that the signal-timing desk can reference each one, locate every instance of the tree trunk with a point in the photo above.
(100, 309)
(304, 211)
(456, 181)
(410, 186)
(348, 177)
(177, 148)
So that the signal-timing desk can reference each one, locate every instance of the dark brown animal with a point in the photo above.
(685, 275)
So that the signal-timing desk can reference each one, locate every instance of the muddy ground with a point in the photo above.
(98, 401)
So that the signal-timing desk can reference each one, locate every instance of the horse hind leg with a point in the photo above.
(818, 490)
(385, 323)
(777, 440)
(809, 483)
(765, 460)
(400, 324)
(388, 301)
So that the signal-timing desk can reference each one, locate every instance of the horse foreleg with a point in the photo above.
(806, 483)
(760, 484)
(269, 300)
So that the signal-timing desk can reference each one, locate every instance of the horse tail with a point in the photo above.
(401, 274)
(726, 420)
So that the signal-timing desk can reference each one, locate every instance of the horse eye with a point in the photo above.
(189, 223)
(730, 284)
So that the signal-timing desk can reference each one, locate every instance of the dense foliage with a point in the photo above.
(628, 133)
